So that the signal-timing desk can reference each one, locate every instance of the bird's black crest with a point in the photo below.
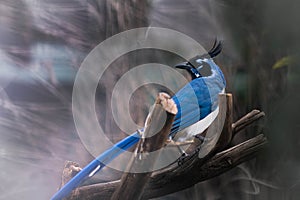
(216, 49)
(213, 52)
(192, 65)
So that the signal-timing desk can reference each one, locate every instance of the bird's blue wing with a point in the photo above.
(198, 98)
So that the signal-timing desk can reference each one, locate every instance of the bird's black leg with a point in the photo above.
(200, 138)
(181, 150)
(194, 149)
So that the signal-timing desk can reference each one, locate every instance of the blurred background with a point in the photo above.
(43, 42)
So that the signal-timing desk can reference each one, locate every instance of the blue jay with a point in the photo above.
(207, 82)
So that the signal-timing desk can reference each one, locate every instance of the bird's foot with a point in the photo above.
(200, 138)
(187, 156)
(192, 150)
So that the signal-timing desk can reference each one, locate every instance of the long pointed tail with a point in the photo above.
(96, 165)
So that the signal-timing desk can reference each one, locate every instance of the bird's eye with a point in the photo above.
(205, 69)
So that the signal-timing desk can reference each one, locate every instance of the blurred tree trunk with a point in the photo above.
(125, 15)
(121, 16)
(15, 33)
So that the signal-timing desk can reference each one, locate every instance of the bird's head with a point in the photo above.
(198, 65)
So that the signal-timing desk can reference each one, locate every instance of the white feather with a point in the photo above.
(198, 127)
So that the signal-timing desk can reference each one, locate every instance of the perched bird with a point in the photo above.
(195, 101)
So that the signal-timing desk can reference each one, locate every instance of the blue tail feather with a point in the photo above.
(96, 165)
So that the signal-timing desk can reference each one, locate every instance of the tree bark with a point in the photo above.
(132, 184)
(163, 183)
(193, 170)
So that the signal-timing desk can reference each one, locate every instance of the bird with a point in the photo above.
(195, 101)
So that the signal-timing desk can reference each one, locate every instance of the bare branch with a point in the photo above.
(153, 139)
(172, 181)
(178, 177)
(247, 120)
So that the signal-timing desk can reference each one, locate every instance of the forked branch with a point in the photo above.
(178, 177)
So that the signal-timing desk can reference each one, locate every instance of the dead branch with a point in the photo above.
(171, 181)
(194, 170)
(153, 139)
(246, 120)
(70, 170)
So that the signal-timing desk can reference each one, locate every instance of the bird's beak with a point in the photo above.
(184, 65)
(190, 68)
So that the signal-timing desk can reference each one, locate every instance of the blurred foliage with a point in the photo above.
(284, 62)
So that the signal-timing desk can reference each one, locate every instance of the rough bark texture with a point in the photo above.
(153, 139)
(192, 169)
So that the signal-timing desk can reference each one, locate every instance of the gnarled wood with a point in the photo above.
(132, 184)
(246, 120)
(170, 181)
(178, 177)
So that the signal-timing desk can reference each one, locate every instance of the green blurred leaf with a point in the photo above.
(284, 62)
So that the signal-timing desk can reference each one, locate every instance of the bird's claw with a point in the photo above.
(182, 159)
(186, 157)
